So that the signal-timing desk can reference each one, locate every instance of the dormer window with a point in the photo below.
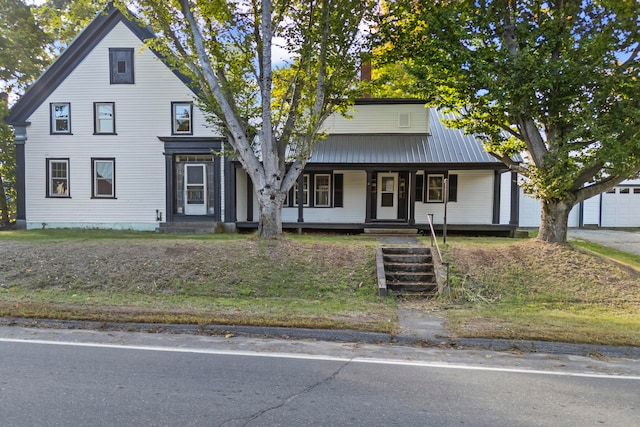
(121, 66)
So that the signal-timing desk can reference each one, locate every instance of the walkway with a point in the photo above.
(627, 241)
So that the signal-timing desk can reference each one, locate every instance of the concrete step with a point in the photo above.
(195, 227)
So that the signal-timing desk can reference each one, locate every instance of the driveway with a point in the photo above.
(627, 241)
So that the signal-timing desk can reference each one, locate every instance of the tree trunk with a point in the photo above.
(4, 206)
(555, 219)
(270, 224)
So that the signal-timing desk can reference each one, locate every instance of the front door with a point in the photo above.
(195, 189)
(387, 204)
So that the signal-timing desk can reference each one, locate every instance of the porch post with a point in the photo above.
(20, 137)
(300, 195)
(169, 190)
(412, 197)
(496, 197)
(249, 199)
(367, 215)
(515, 200)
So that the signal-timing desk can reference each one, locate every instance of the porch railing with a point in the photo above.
(434, 243)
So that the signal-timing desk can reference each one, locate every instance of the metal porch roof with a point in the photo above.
(443, 145)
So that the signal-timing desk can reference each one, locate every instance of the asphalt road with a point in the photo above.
(63, 378)
(627, 241)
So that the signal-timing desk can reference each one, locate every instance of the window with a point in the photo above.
(636, 191)
(103, 184)
(322, 190)
(121, 66)
(104, 119)
(387, 191)
(57, 177)
(181, 113)
(61, 117)
(435, 188)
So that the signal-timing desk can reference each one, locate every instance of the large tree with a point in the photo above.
(23, 56)
(270, 112)
(555, 80)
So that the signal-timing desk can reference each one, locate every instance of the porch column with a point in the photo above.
(515, 200)
(168, 165)
(300, 195)
(20, 137)
(412, 197)
(249, 199)
(367, 215)
(496, 197)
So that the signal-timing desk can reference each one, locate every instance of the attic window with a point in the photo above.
(403, 120)
(121, 66)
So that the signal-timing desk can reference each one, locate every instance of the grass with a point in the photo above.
(500, 288)
(307, 281)
(530, 290)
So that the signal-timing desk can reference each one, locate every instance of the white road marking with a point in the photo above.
(363, 360)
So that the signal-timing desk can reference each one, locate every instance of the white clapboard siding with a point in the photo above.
(142, 111)
(353, 211)
(380, 119)
(530, 212)
(474, 205)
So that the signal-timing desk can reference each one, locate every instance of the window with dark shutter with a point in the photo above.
(453, 188)
(338, 190)
(121, 66)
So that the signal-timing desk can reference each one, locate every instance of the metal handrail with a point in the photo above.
(433, 237)
(434, 242)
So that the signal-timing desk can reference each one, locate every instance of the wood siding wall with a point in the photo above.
(142, 113)
(379, 119)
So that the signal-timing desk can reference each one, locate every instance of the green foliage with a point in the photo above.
(558, 80)
(270, 109)
(23, 52)
(64, 19)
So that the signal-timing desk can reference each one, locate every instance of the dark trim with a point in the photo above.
(388, 101)
(169, 184)
(20, 137)
(300, 196)
(95, 118)
(62, 67)
(230, 213)
(489, 229)
(93, 177)
(188, 145)
(425, 186)
(515, 200)
(368, 190)
(48, 161)
(412, 196)
(173, 117)
(249, 193)
(115, 77)
(217, 197)
(52, 119)
(496, 197)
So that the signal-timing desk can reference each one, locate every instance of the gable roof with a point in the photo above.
(70, 58)
(443, 146)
